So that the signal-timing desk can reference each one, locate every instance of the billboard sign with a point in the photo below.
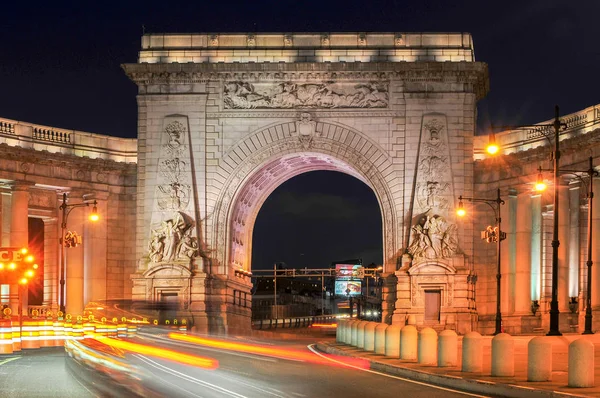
(353, 287)
(349, 271)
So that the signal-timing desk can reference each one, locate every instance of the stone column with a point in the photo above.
(74, 260)
(510, 250)
(51, 264)
(5, 217)
(507, 300)
(563, 249)
(575, 286)
(95, 254)
(596, 248)
(536, 247)
(19, 234)
(523, 255)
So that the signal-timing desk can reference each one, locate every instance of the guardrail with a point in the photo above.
(287, 323)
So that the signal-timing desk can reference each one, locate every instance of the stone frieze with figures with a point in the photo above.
(294, 95)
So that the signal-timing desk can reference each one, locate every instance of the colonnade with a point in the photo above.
(86, 264)
(527, 219)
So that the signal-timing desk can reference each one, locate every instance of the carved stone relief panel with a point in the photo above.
(41, 198)
(432, 234)
(295, 95)
(173, 233)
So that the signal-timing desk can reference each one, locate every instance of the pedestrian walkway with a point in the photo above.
(484, 383)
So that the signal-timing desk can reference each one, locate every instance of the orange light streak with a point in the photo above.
(163, 353)
(324, 325)
(290, 354)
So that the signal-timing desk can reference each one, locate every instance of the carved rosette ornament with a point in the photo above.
(173, 234)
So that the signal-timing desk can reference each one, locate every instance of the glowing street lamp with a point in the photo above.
(492, 147)
(540, 184)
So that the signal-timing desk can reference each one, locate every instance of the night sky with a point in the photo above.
(61, 62)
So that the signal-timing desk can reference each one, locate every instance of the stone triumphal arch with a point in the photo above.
(226, 118)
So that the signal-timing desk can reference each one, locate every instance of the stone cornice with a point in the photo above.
(27, 156)
(473, 73)
(574, 151)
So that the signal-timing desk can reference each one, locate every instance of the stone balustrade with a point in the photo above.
(69, 142)
(523, 139)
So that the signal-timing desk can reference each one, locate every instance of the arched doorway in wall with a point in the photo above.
(310, 221)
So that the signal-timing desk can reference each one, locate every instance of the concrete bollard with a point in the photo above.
(472, 353)
(370, 336)
(348, 332)
(380, 338)
(581, 363)
(392, 341)
(408, 342)
(539, 359)
(427, 347)
(360, 331)
(354, 333)
(503, 355)
(339, 331)
(447, 348)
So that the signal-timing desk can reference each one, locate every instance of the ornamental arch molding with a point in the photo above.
(263, 160)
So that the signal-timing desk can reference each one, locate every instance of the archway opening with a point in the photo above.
(316, 218)
(312, 221)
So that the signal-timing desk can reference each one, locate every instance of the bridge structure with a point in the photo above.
(224, 119)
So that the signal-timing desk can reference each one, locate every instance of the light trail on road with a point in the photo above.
(314, 350)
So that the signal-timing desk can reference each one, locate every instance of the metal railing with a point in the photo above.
(287, 323)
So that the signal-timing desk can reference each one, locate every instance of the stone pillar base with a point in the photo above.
(216, 304)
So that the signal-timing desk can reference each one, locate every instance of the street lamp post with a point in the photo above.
(497, 237)
(556, 126)
(588, 301)
(66, 210)
(590, 195)
(554, 312)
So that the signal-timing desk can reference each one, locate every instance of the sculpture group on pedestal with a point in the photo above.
(173, 240)
(433, 237)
